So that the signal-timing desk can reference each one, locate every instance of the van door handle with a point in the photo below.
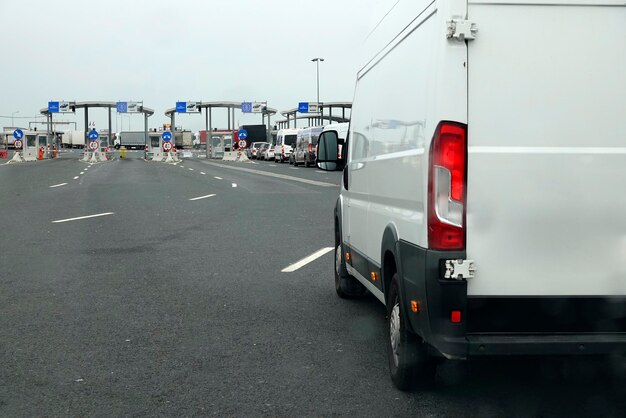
(345, 178)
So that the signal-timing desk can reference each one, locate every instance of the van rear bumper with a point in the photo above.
(563, 325)
(567, 344)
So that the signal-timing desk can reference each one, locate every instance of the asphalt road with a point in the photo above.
(170, 306)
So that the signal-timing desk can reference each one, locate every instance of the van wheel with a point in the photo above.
(346, 286)
(410, 364)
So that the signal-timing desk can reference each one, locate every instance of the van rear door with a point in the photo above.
(546, 209)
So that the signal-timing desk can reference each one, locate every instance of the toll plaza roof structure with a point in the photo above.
(231, 106)
(316, 118)
(86, 105)
(147, 112)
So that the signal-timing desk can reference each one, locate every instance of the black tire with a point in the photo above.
(410, 365)
(346, 286)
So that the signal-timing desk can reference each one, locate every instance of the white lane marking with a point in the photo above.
(191, 169)
(219, 178)
(83, 217)
(294, 168)
(234, 184)
(81, 173)
(306, 260)
(75, 177)
(182, 166)
(272, 165)
(58, 185)
(203, 173)
(275, 175)
(202, 197)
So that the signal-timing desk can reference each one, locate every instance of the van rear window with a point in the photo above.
(290, 139)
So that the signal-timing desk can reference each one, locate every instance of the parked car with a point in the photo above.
(253, 149)
(261, 150)
(482, 206)
(266, 152)
(285, 141)
(306, 145)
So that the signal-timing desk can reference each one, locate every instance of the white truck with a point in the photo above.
(482, 198)
(73, 139)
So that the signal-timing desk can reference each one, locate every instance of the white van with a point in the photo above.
(306, 145)
(483, 192)
(285, 141)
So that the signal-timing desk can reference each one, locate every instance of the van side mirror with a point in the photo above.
(327, 156)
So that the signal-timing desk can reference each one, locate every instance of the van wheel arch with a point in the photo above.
(390, 261)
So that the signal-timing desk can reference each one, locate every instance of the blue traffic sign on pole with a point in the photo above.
(53, 107)
(166, 136)
(303, 107)
(243, 134)
(181, 107)
(18, 134)
(122, 107)
(246, 107)
(93, 135)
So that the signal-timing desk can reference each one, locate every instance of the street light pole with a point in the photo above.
(12, 121)
(317, 61)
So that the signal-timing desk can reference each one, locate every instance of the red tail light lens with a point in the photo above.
(282, 149)
(310, 148)
(447, 187)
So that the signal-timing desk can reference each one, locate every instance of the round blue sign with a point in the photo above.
(18, 134)
(93, 135)
(243, 134)
(166, 136)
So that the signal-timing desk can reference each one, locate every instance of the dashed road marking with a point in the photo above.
(203, 173)
(202, 197)
(306, 260)
(58, 185)
(76, 178)
(219, 178)
(83, 217)
(191, 169)
(234, 184)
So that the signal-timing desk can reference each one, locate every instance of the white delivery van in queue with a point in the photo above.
(483, 192)
(285, 141)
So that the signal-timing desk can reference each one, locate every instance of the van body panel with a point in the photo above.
(391, 128)
(547, 149)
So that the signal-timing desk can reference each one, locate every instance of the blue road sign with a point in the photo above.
(53, 107)
(18, 134)
(243, 134)
(303, 107)
(166, 136)
(181, 107)
(93, 135)
(122, 107)
(246, 107)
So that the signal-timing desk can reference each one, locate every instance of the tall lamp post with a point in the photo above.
(12, 122)
(317, 62)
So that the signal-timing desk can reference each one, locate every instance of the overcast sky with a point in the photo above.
(163, 51)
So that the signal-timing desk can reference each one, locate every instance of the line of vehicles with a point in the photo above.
(296, 146)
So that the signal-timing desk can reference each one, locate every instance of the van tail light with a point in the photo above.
(310, 148)
(447, 183)
(282, 149)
